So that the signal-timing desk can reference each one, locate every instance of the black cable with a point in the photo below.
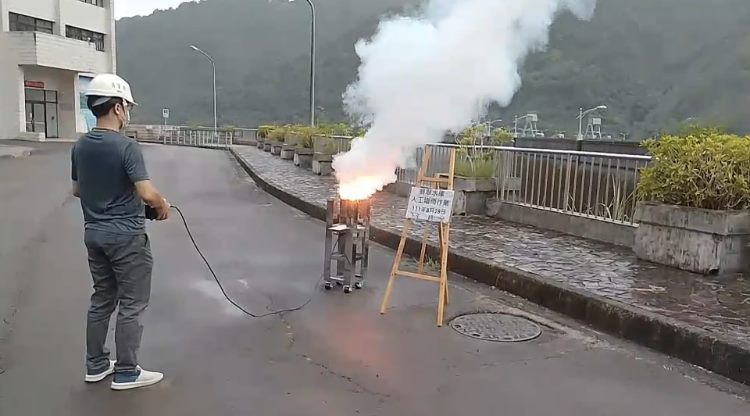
(218, 282)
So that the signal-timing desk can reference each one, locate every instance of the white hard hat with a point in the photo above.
(110, 85)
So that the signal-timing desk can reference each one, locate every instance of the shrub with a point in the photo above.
(475, 168)
(304, 135)
(307, 136)
(264, 131)
(476, 162)
(703, 169)
(501, 137)
(293, 134)
(697, 130)
(335, 129)
(278, 133)
(358, 132)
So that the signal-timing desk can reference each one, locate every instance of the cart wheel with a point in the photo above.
(359, 285)
(328, 286)
(347, 289)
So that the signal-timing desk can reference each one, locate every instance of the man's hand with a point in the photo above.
(148, 193)
(162, 211)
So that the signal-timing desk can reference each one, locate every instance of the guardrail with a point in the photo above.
(596, 185)
(191, 136)
(196, 137)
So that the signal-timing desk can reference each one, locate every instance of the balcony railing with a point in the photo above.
(54, 51)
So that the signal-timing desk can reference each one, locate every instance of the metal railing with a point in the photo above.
(596, 185)
(191, 136)
(204, 137)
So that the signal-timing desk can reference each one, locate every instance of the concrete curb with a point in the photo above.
(669, 336)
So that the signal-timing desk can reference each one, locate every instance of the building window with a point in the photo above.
(22, 23)
(86, 36)
(99, 3)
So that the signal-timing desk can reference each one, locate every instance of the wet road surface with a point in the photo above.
(719, 306)
(336, 357)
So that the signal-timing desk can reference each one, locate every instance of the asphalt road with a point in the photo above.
(336, 357)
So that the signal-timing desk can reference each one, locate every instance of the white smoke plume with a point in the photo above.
(422, 76)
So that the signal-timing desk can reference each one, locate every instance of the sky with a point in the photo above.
(125, 8)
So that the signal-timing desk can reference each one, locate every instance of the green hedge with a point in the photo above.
(704, 168)
(305, 134)
(264, 131)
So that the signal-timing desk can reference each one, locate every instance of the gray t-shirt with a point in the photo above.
(106, 165)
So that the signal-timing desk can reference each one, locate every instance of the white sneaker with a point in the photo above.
(142, 379)
(94, 378)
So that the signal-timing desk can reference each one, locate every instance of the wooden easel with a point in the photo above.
(443, 233)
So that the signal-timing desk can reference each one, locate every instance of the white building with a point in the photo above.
(49, 51)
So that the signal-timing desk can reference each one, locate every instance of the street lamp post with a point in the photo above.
(312, 61)
(582, 114)
(213, 64)
(490, 124)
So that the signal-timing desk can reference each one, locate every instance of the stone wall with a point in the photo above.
(577, 225)
(598, 146)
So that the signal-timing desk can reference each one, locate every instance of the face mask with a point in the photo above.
(126, 121)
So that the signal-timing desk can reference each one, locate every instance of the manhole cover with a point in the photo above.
(496, 327)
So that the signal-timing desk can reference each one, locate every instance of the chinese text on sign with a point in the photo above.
(433, 205)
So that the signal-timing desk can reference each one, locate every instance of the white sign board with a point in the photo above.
(165, 113)
(433, 205)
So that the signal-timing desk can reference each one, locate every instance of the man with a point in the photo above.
(110, 177)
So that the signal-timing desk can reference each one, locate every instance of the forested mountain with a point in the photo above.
(655, 63)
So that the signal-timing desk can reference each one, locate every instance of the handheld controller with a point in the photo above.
(150, 213)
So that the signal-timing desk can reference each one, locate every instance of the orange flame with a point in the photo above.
(360, 188)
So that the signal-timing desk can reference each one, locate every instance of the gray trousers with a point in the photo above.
(121, 269)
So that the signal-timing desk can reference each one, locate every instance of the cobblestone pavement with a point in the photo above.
(718, 306)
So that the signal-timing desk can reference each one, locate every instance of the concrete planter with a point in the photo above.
(322, 164)
(292, 139)
(267, 147)
(320, 142)
(276, 149)
(472, 194)
(303, 157)
(287, 152)
(698, 240)
(261, 143)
